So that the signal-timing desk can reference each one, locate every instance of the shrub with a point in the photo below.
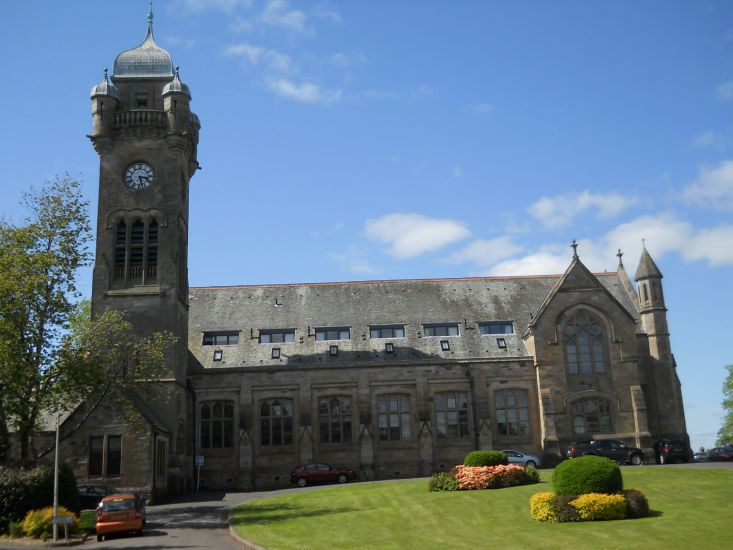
(38, 523)
(491, 477)
(443, 481)
(533, 476)
(637, 505)
(587, 474)
(541, 506)
(15, 529)
(600, 506)
(565, 512)
(485, 458)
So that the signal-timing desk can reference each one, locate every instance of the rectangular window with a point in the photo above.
(451, 415)
(105, 455)
(394, 418)
(333, 333)
(334, 415)
(496, 327)
(230, 338)
(387, 331)
(141, 100)
(512, 412)
(216, 424)
(96, 452)
(276, 422)
(277, 336)
(434, 329)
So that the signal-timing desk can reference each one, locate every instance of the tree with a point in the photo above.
(38, 266)
(53, 354)
(725, 435)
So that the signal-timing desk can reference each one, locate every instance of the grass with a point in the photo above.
(690, 508)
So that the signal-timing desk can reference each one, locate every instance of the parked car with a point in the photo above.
(91, 495)
(120, 513)
(719, 454)
(700, 457)
(515, 457)
(610, 448)
(320, 473)
(671, 450)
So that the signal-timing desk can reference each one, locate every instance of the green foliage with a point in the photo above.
(87, 520)
(600, 506)
(38, 523)
(485, 458)
(725, 434)
(15, 529)
(533, 476)
(637, 505)
(587, 474)
(443, 481)
(24, 489)
(39, 262)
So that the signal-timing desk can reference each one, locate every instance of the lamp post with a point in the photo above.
(56, 482)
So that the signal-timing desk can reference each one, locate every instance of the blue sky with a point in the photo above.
(383, 140)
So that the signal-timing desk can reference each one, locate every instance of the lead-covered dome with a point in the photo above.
(148, 60)
(105, 88)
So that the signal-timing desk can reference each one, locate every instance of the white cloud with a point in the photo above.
(713, 245)
(340, 59)
(271, 60)
(328, 15)
(481, 109)
(276, 13)
(409, 235)
(458, 171)
(706, 139)
(559, 211)
(484, 252)
(354, 260)
(307, 92)
(713, 187)
(724, 91)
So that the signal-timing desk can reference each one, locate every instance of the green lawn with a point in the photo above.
(691, 508)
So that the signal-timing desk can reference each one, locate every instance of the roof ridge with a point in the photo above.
(396, 281)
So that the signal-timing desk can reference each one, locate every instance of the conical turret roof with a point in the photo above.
(647, 268)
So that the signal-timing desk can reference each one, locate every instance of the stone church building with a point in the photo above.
(390, 378)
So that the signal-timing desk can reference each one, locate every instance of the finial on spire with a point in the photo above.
(105, 74)
(150, 19)
(620, 263)
(574, 246)
(643, 243)
(177, 75)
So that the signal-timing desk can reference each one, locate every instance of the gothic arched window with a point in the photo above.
(216, 424)
(136, 252)
(584, 344)
(276, 422)
(592, 415)
(512, 412)
(334, 417)
(451, 414)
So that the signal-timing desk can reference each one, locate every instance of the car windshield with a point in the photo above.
(118, 505)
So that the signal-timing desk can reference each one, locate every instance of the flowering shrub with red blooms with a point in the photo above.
(491, 477)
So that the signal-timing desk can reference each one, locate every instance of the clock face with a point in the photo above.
(139, 175)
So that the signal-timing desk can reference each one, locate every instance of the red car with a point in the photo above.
(120, 513)
(319, 473)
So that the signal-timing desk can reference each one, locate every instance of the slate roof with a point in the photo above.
(412, 303)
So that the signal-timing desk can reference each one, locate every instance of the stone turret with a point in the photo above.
(105, 102)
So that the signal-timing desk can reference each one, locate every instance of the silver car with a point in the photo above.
(515, 457)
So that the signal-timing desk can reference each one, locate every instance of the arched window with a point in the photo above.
(395, 422)
(276, 422)
(334, 416)
(512, 412)
(592, 415)
(136, 252)
(584, 344)
(217, 424)
(451, 414)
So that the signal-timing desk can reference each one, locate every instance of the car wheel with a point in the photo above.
(663, 459)
(302, 482)
(342, 478)
(636, 460)
(100, 538)
(530, 463)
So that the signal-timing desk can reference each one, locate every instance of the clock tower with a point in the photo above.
(146, 137)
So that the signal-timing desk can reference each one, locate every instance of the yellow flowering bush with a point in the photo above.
(600, 506)
(37, 523)
(541, 506)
